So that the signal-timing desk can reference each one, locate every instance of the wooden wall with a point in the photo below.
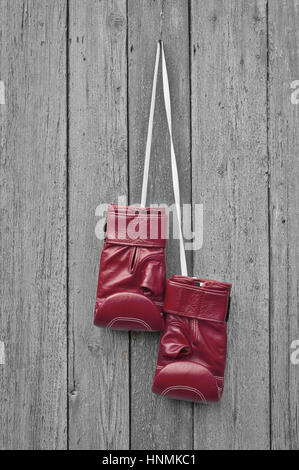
(77, 77)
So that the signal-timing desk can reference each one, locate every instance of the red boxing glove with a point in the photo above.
(132, 274)
(191, 361)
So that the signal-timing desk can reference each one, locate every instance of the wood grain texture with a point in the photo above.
(72, 136)
(154, 419)
(229, 150)
(33, 404)
(98, 359)
(284, 212)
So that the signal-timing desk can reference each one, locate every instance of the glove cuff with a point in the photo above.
(137, 226)
(197, 298)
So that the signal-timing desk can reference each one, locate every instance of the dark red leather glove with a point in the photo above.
(132, 270)
(192, 353)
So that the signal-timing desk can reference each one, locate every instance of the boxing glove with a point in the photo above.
(192, 354)
(132, 273)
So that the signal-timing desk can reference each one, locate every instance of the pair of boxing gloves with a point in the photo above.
(133, 294)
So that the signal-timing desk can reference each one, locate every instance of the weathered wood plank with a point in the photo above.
(33, 382)
(284, 207)
(154, 419)
(229, 149)
(98, 359)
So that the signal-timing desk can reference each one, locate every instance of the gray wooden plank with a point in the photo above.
(98, 359)
(284, 226)
(154, 419)
(229, 150)
(33, 381)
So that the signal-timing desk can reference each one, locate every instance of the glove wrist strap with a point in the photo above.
(135, 226)
(192, 301)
